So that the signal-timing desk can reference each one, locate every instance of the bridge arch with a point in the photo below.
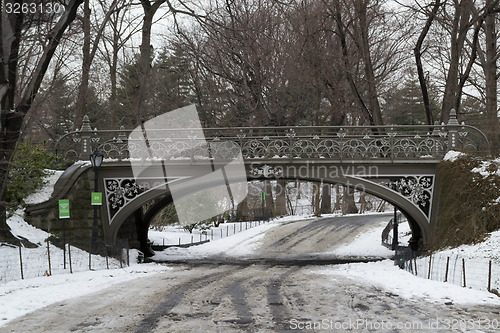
(161, 198)
(407, 156)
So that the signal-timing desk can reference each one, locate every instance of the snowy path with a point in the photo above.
(247, 299)
(236, 296)
(325, 238)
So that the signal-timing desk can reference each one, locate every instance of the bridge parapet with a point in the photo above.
(336, 143)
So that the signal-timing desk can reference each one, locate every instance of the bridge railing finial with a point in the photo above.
(453, 121)
(452, 128)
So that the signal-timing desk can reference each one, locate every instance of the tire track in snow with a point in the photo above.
(178, 294)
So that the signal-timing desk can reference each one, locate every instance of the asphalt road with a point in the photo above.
(247, 297)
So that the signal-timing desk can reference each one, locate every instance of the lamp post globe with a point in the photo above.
(96, 158)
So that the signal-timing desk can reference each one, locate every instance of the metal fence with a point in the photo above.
(477, 273)
(20, 262)
(200, 236)
(342, 143)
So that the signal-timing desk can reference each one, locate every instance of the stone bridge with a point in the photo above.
(395, 163)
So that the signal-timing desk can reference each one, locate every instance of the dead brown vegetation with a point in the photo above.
(468, 203)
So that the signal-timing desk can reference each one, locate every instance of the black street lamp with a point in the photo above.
(96, 159)
(395, 230)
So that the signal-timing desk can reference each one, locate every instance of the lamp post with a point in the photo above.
(395, 230)
(96, 160)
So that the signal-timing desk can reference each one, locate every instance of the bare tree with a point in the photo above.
(14, 109)
(460, 23)
(465, 26)
(123, 24)
(368, 42)
(281, 197)
(326, 199)
(418, 59)
(89, 51)
(256, 60)
(488, 61)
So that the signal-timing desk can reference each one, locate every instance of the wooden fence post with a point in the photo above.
(128, 255)
(429, 271)
(463, 266)
(21, 261)
(107, 259)
(447, 268)
(489, 276)
(69, 257)
(48, 255)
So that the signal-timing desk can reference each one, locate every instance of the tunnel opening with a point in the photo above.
(138, 222)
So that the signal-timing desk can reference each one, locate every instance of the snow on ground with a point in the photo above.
(23, 296)
(18, 298)
(488, 249)
(386, 276)
(366, 245)
(16, 222)
(241, 244)
(19, 227)
(46, 191)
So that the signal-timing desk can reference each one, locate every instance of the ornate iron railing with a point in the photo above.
(345, 143)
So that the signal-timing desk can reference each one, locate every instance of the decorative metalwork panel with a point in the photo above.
(417, 189)
(266, 171)
(119, 192)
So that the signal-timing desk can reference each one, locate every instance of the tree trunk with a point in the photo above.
(348, 203)
(113, 68)
(490, 72)
(316, 199)
(281, 198)
(12, 117)
(363, 202)
(145, 57)
(373, 101)
(338, 198)
(10, 125)
(458, 37)
(418, 59)
(345, 58)
(242, 210)
(81, 102)
(88, 57)
(326, 199)
(268, 190)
